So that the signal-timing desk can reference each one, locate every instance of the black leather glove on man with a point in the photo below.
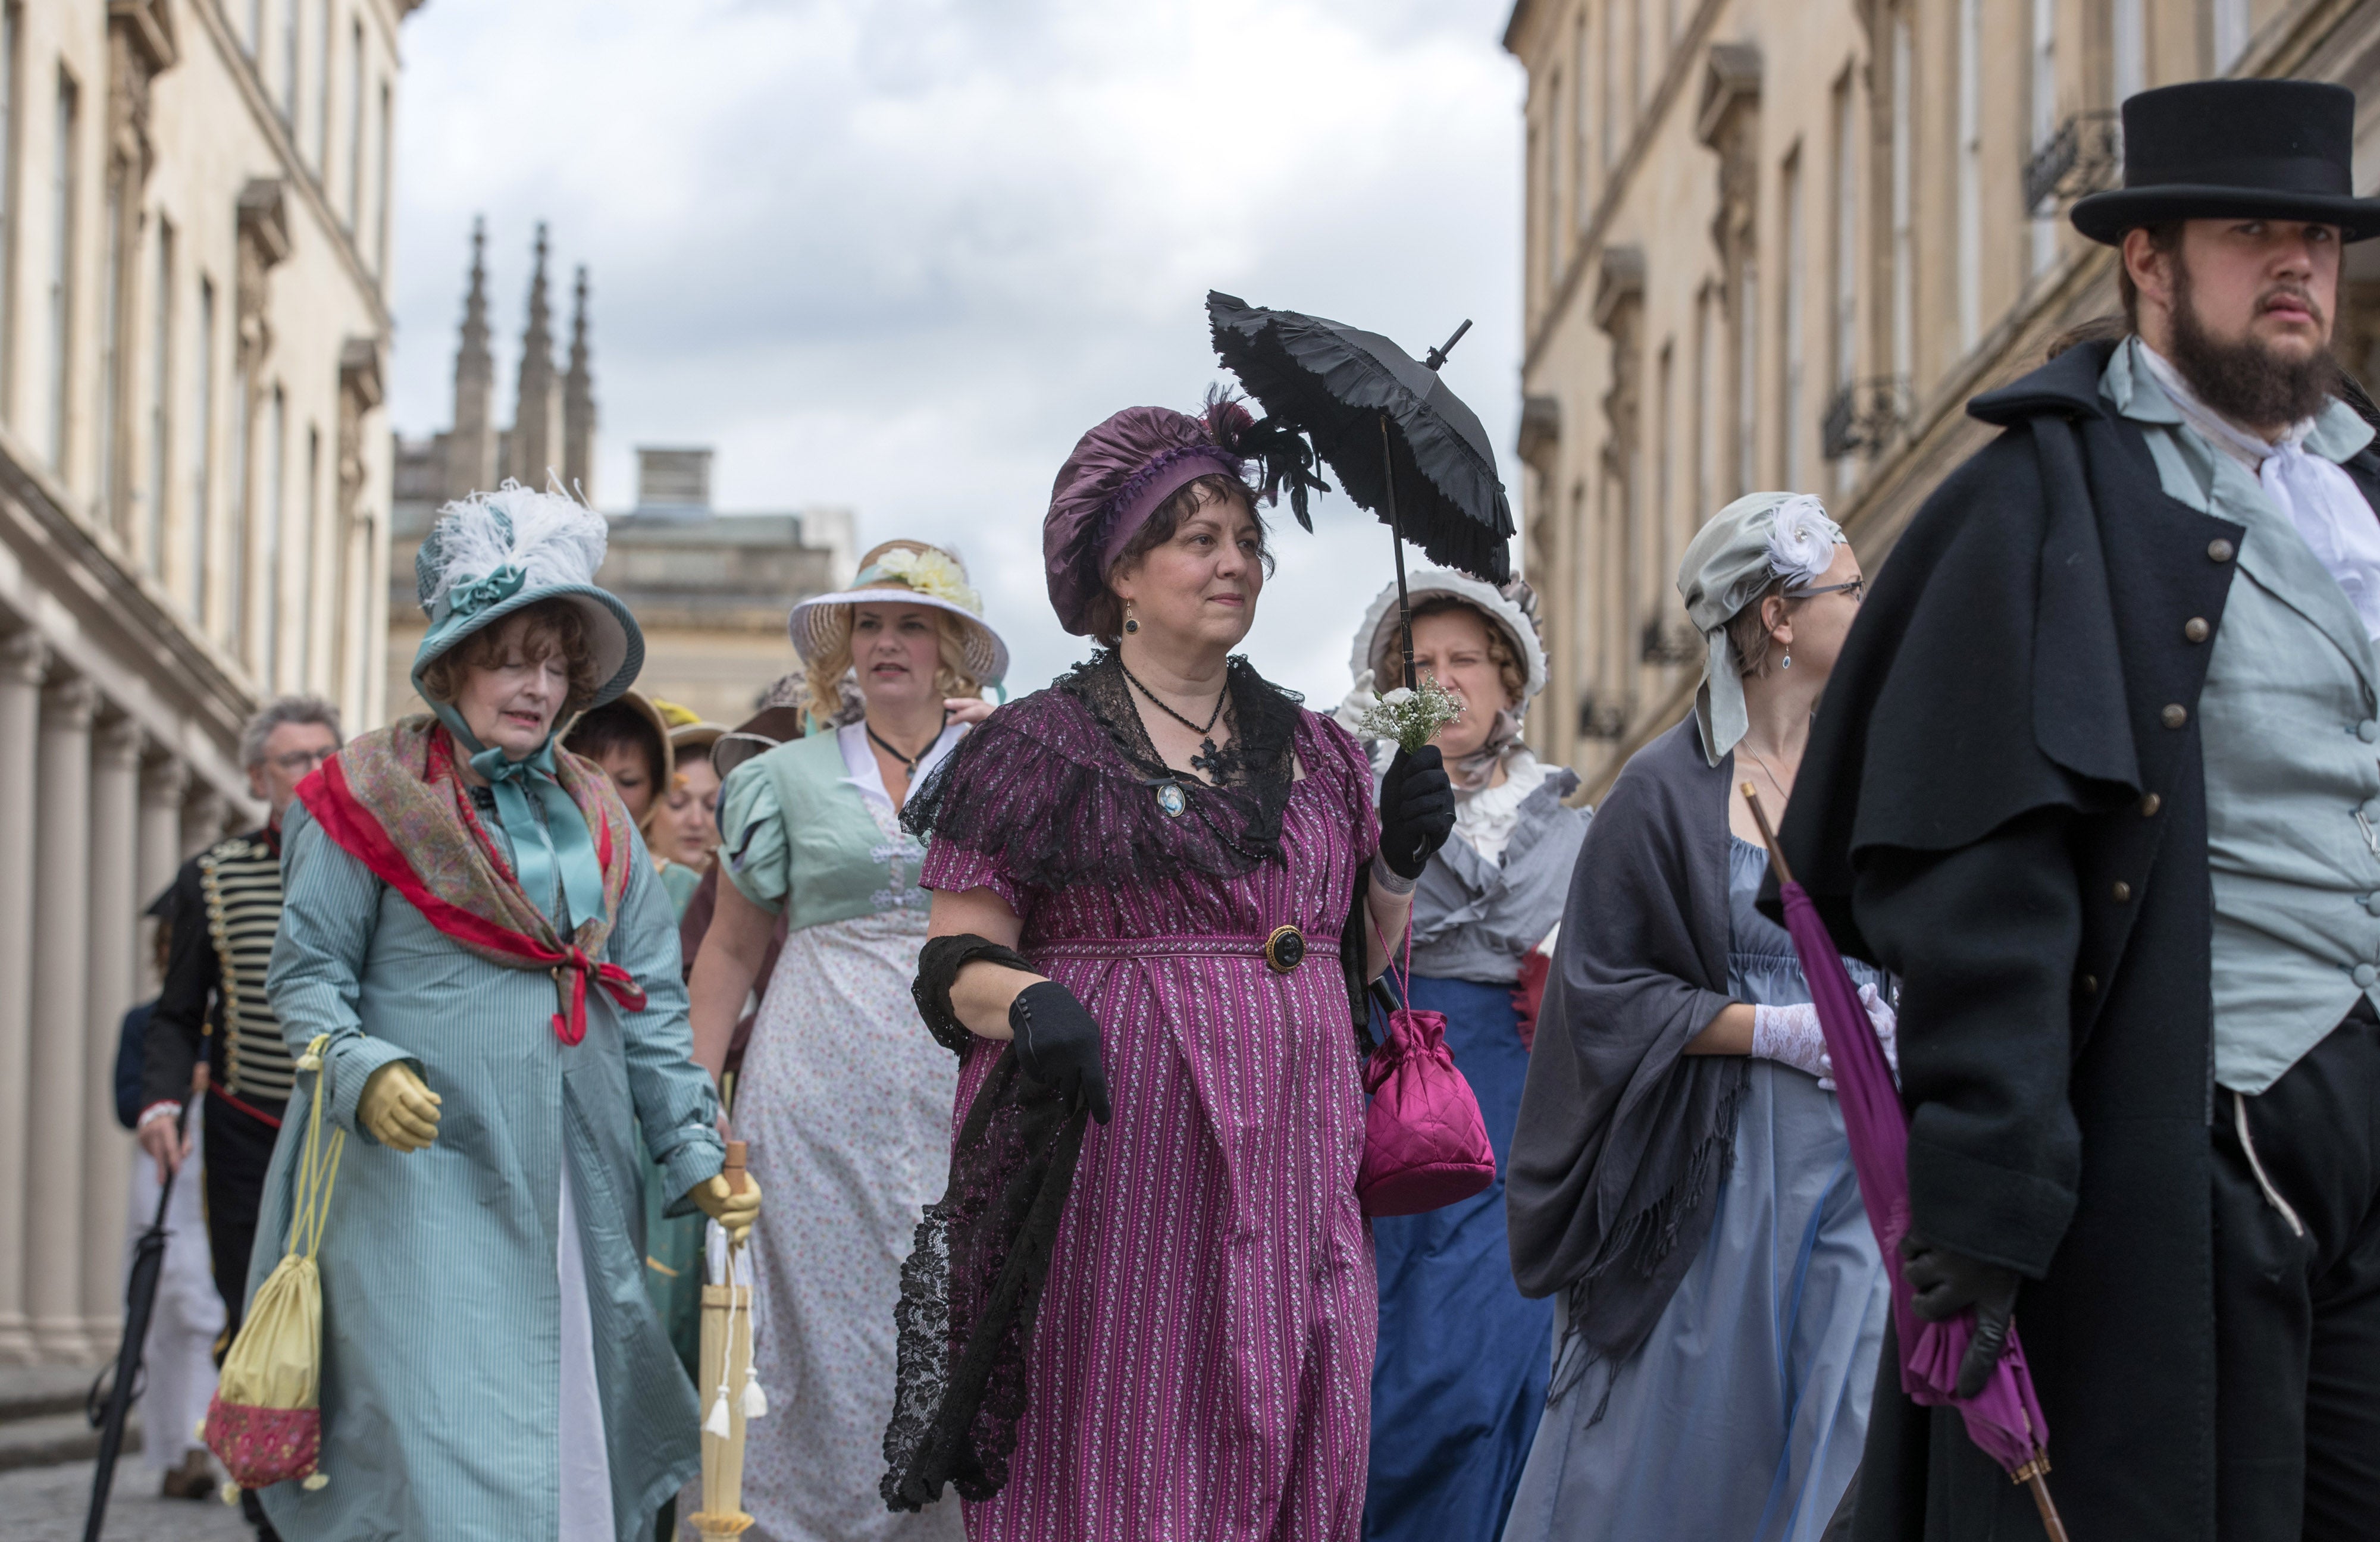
(1417, 810)
(1946, 1284)
(1059, 1042)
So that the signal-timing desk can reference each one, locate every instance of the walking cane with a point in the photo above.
(140, 1304)
(727, 1381)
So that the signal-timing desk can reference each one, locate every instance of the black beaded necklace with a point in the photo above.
(1208, 759)
(908, 763)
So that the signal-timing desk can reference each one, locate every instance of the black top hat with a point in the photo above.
(2279, 149)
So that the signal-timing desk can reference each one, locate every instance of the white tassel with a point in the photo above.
(316, 1481)
(229, 1492)
(717, 1423)
(755, 1402)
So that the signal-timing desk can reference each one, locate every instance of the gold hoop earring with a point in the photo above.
(1130, 624)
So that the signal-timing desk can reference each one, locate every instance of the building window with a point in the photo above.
(1663, 510)
(62, 163)
(312, 533)
(2230, 34)
(1553, 143)
(1747, 371)
(203, 455)
(1606, 93)
(2044, 126)
(1794, 287)
(1904, 242)
(10, 15)
(276, 446)
(1535, 214)
(114, 301)
(289, 63)
(356, 130)
(1581, 161)
(1971, 173)
(161, 389)
(2128, 50)
(380, 190)
(243, 505)
(1845, 310)
(323, 97)
(1705, 448)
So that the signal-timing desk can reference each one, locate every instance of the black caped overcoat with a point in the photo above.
(2003, 803)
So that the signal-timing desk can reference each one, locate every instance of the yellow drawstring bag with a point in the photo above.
(265, 1422)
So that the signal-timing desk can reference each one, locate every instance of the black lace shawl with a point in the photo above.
(972, 1284)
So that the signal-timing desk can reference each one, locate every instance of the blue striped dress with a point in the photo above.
(459, 1322)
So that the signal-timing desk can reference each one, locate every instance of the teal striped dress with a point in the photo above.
(443, 1302)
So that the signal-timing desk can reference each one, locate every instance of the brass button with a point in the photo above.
(2174, 715)
(2150, 805)
(2122, 890)
(2221, 550)
(1284, 950)
(2090, 983)
(2195, 629)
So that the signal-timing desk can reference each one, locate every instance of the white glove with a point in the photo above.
(1887, 1023)
(1790, 1035)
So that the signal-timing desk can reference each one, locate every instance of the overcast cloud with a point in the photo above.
(899, 255)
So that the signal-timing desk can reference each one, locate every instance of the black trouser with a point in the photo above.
(2298, 1318)
(240, 1149)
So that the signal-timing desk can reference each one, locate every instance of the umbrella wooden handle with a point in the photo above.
(1760, 817)
(733, 1170)
(2050, 1518)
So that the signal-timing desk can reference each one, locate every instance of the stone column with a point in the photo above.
(115, 977)
(161, 850)
(23, 658)
(54, 1193)
(202, 819)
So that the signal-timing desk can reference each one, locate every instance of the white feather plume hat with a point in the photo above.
(493, 553)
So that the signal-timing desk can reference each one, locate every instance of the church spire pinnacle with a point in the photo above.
(578, 401)
(470, 459)
(536, 450)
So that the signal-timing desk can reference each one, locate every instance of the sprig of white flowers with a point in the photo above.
(1411, 716)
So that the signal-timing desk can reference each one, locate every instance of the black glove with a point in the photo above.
(1059, 1043)
(1948, 1283)
(1417, 810)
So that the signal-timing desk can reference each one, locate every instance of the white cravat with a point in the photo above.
(2320, 499)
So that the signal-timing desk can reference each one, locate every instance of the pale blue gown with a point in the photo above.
(1741, 1416)
(492, 1368)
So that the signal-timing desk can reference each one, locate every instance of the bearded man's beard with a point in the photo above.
(2246, 381)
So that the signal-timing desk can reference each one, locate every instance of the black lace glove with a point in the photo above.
(1059, 1042)
(1948, 1283)
(1417, 810)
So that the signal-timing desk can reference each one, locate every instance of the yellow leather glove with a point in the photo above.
(736, 1211)
(398, 1110)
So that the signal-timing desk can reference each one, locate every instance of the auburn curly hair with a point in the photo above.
(530, 635)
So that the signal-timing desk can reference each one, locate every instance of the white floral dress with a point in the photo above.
(846, 1102)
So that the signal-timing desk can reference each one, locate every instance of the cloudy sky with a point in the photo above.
(898, 254)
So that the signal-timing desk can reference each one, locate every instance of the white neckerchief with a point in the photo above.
(1490, 817)
(2319, 498)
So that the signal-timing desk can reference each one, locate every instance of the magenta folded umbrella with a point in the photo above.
(2004, 1419)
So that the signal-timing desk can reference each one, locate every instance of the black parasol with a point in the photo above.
(1404, 446)
(110, 1404)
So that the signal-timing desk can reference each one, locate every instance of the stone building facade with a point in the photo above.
(1779, 244)
(194, 482)
(709, 589)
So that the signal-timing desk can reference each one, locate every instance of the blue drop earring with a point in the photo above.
(1130, 624)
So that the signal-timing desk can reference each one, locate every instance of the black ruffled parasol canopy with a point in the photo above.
(1403, 445)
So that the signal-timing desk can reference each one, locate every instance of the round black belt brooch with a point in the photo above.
(1284, 950)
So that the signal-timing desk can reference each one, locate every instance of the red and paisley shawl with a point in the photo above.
(394, 800)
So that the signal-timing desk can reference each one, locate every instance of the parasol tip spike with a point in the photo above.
(1438, 355)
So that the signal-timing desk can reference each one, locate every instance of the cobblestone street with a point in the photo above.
(47, 1504)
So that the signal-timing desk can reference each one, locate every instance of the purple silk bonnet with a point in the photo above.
(1115, 478)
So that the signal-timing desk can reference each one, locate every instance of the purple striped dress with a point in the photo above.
(1201, 1364)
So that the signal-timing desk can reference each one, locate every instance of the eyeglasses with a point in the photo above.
(301, 759)
(1856, 589)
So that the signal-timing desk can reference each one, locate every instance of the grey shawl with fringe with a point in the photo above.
(1623, 1138)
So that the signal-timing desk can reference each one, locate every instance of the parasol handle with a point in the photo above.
(1438, 355)
(1768, 836)
(732, 1169)
(2050, 1521)
(1397, 540)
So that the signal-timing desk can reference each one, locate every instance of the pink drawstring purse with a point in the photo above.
(1425, 1145)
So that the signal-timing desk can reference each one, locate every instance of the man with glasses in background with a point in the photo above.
(212, 1012)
